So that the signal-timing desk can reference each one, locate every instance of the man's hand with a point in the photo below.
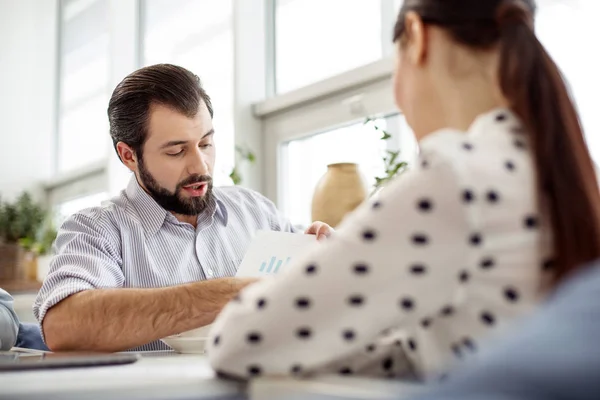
(320, 229)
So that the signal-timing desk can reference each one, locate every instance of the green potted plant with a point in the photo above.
(392, 166)
(19, 225)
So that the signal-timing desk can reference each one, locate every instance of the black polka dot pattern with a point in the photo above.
(387, 364)
(475, 239)
(424, 164)
(311, 269)
(501, 117)
(487, 318)
(530, 222)
(254, 370)
(303, 333)
(420, 239)
(519, 144)
(254, 338)
(446, 229)
(369, 235)
(492, 196)
(511, 295)
(468, 196)
(447, 311)
(296, 369)
(349, 335)
(425, 205)
(487, 263)
(469, 344)
(261, 303)
(356, 300)
(407, 304)
(303, 303)
(361, 269)
(412, 344)
(418, 269)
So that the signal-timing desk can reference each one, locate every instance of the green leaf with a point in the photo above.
(235, 176)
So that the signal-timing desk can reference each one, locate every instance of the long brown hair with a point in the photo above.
(533, 84)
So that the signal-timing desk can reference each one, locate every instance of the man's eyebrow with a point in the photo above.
(207, 134)
(180, 142)
(173, 143)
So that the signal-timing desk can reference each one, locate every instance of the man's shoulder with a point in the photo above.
(108, 215)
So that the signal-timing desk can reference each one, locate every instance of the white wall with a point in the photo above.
(27, 93)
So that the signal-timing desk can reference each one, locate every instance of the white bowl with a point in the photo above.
(198, 332)
(189, 342)
(189, 345)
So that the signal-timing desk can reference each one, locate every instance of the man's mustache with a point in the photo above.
(193, 179)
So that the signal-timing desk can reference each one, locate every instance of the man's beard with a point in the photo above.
(174, 201)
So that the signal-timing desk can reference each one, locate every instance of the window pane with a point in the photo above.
(68, 208)
(198, 35)
(316, 39)
(578, 30)
(305, 162)
(84, 134)
(84, 65)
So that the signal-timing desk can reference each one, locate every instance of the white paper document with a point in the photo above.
(270, 252)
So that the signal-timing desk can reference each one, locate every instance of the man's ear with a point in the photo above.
(127, 156)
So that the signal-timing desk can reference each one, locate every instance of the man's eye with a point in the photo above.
(180, 152)
(205, 146)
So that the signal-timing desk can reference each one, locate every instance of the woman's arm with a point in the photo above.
(392, 263)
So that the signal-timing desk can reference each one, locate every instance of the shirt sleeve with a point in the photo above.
(393, 262)
(86, 258)
(9, 323)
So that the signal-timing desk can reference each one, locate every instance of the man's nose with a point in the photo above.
(197, 164)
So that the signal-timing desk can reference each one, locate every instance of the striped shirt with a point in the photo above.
(132, 242)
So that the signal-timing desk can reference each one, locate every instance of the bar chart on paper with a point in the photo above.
(271, 252)
(273, 265)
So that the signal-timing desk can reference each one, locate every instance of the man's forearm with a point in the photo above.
(119, 319)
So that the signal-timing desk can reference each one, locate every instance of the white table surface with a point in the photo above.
(166, 376)
(176, 376)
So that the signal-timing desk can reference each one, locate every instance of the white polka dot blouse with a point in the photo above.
(415, 280)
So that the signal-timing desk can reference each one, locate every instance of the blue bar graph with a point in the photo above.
(272, 266)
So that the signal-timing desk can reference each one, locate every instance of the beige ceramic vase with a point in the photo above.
(338, 192)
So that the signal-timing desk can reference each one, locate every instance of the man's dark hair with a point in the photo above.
(162, 84)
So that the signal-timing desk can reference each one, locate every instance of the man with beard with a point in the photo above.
(160, 258)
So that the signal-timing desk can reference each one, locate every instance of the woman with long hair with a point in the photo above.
(503, 205)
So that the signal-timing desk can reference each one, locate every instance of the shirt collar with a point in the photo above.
(152, 215)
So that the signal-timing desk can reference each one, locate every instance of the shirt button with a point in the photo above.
(209, 272)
